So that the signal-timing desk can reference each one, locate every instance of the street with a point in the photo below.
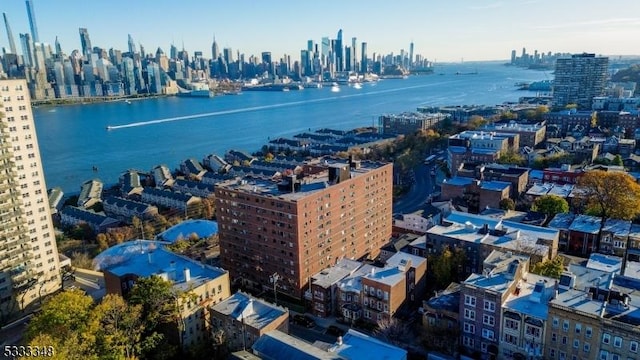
(422, 187)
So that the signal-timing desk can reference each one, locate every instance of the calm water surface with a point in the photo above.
(75, 138)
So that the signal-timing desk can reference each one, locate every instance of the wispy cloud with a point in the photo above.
(598, 22)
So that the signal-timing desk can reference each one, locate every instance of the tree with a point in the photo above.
(476, 121)
(551, 268)
(63, 317)
(610, 194)
(507, 204)
(512, 157)
(392, 330)
(69, 348)
(617, 160)
(550, 205)
(448, 266)
(118, 328)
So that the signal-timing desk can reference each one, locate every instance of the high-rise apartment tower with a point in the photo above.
(29, 264)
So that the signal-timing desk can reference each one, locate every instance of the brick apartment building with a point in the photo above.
(303, 224)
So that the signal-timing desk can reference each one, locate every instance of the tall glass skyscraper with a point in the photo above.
(32, 21)
(85, 42)
(12, 43)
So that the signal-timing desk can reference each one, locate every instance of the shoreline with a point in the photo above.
(92, 100)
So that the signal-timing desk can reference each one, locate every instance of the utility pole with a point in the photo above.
(274, 279)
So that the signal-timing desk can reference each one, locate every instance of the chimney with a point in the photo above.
(339, 341)
(187, 275)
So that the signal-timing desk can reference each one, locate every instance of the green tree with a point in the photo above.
(118, 328)
(550, 205)
(71, 347)
(551, 268)
(64, 319)
(475, 121)
(507, 204)
(617, 160)
(448, 266)
(512, 157)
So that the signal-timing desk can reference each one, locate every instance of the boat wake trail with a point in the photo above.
(264, 107)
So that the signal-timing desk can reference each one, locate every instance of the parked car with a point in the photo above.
(304, 320)
(335, 331)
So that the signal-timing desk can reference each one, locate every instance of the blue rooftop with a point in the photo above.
(202, 228)
(145, 258)
(459, 181)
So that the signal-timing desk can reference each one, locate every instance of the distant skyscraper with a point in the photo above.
(173, 52)
(29, 265)
(228, 55)
(132, 44)
(339, 52)
(27, 50)
(354, 53)
(215, 50)
(12, 43)
(411, 55)
(364, 67)
(85, 42)
(58, 48)
(32, 21)
(579, 79)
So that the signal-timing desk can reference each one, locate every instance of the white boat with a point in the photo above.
(335, 87)
(357, 86)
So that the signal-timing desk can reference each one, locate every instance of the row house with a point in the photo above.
(169, 199)
(130, 183)
(631, 259)
(417, 222)
(244, 319)
(239, 157)
(569, 119)
(323, 291)
(584, 234)
(594, 320)
(248, 171)
(162, 176)
(216, 163)
(192, 169)
(317, 138)
(284, 168)
(195, 188)
(440, 319)
(55, 196)
(478, 147)
(524, 318)
(125, 210)
(518, 177)
(72, 216)
(375, 294)
(399, 282)
(477, 194)
(281, 144)
(482, 296)
(90, 194)
(541, 189)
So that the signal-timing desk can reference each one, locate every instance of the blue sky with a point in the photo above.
(441, 30)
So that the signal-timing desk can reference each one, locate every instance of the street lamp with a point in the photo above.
(274, 279)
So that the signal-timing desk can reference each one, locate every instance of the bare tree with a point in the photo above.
(393, 331)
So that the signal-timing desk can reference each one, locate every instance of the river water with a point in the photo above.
(74, 138)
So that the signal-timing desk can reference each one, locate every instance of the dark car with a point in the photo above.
(335, 331)
(304, 320)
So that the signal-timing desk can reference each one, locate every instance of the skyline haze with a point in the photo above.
(442, 32)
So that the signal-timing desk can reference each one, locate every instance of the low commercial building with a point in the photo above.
(476, 194)
(530, 134)
(244, 319)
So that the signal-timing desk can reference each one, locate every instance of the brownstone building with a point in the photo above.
(298, 226)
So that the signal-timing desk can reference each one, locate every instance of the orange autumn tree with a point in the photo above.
(610, 195)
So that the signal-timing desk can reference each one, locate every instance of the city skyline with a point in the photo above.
(477, 31)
